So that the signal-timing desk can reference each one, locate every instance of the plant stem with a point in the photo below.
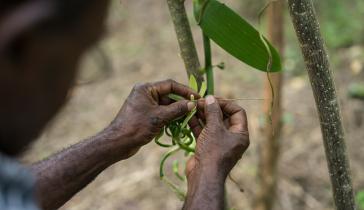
(185, 39)
(208, 65)
(323, 86)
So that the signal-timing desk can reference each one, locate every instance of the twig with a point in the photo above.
(185, 39)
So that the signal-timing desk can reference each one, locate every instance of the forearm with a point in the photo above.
(64, 174)
(205, 190)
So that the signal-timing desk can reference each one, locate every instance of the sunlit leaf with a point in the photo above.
(236, 36)
(203, 89)
(193, 83)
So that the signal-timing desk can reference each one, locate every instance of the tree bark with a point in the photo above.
(185, 39)
(321, 78)
(270, 147)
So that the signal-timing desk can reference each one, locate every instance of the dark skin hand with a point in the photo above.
(144, 113)
(220, 145)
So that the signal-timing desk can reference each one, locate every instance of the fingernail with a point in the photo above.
(191, 105)
(210, 100)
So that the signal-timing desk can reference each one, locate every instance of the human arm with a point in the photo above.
(220, 144)
(144, 113)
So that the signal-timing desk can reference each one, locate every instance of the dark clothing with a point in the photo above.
(16, 186)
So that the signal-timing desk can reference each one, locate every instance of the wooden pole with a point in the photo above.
(185, 40)
(321, 77)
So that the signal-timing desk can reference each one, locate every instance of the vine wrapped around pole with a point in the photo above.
(321, 78)
(185, 39)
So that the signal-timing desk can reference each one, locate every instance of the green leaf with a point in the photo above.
(203, 89)
(360, 199)
(175, 97)
(193, 83)
(237, 36)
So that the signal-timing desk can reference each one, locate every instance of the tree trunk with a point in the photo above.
(185, 39)
(269, 149)
(321, 78)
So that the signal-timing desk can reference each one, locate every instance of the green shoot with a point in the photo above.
(182, 138)
(175, 168)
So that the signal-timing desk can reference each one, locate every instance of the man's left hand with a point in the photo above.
(145, 112)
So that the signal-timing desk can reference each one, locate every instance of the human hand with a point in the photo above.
(222, 141)
(145, 112)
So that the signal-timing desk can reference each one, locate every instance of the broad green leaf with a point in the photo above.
(193, 83)
(203, 89)
(175, 97)
(236, 36)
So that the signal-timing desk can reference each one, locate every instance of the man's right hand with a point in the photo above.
(220, 145)
(224, 138)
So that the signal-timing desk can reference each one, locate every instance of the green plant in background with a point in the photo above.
(360, 199)
(356, 90)
(335, 18)
(232, 33)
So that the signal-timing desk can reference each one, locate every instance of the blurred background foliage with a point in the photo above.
(341, 24)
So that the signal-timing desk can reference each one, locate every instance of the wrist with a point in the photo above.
(212, 170)
(117, 144)
(205, 188)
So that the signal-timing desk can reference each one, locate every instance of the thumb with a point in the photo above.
(213, 111)
(176, 110)
(191, 164)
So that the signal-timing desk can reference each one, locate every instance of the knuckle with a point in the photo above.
(212, 110)
(156, 121)
(176, 111)
(170, 81)
(243, 112)
(244, 141)
(139, 86)
(181, 108)
(215, 128)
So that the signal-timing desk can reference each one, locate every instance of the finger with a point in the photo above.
(212, 110)
(175, 110)
(195, 126)
(201, 107)
(165, 100)
(191, 164)
(238, 119)
(170, 86)
(201, 102)
(227, 123)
